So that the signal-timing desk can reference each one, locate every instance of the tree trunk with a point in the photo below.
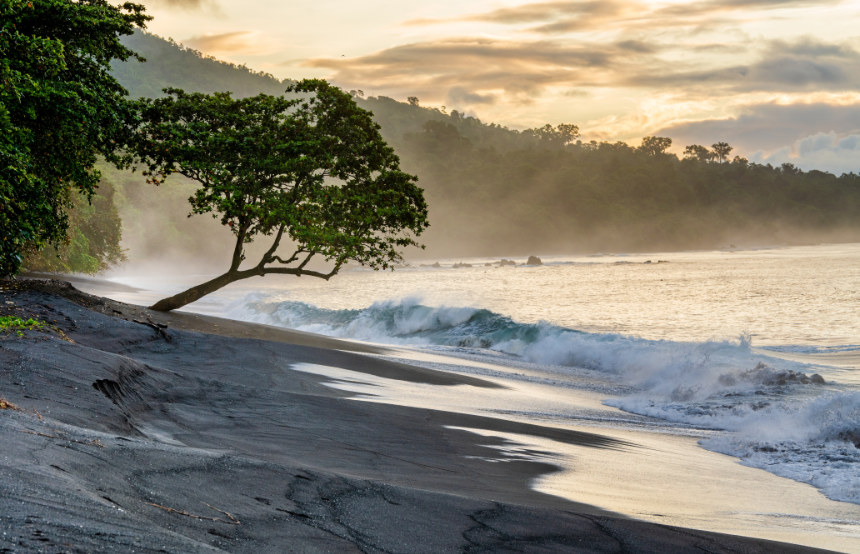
(198, 291)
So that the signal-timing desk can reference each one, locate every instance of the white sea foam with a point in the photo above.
(816, 441)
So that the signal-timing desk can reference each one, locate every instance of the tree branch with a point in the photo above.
(306, 260)
(270, 253)
(300, 272)
(238, 251)
(293, 258)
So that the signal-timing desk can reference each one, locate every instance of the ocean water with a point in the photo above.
(751, 354)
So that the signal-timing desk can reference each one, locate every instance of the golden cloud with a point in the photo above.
(246, 42)
(484, 67)
(187, 4)
(601, 15)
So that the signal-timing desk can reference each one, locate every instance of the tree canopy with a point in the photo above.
(59, 110)
(94, 235)
(655, 146)
(721, 151)
(311, 170)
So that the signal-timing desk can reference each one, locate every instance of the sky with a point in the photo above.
(779, 80)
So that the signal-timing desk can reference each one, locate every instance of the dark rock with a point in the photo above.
(534, 260)
(851, 436)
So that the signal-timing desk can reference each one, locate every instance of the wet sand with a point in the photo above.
(137, 430)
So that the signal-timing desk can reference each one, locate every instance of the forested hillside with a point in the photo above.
(169, 64)
(495, 191)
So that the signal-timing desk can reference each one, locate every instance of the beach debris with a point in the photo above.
(158, 327)
(231, 521)
(93, 442)
(6, 405)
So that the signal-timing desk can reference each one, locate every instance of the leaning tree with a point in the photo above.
(310, 171)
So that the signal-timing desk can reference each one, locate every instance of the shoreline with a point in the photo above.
(192, 434)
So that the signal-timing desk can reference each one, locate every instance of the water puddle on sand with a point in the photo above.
(663, 477)
(670, 480)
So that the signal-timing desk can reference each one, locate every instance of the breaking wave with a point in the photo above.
(778, 415)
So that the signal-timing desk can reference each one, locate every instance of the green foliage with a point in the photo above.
(722, 151)
(59, 109)
(698, 152)
(311, 168)
(561, 135)
(655, 146)
(16, 324)
(93, 239)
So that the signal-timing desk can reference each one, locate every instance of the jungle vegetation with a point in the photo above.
(60, 111)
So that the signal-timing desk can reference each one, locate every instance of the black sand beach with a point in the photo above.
(135, 431)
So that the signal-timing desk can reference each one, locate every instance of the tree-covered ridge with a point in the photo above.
(171, 65)
(611, 196)
(496, 191)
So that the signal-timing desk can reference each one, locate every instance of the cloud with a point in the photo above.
(587, 11)
(780, 66)
(823, 151)
(584, 15)
(459, 96)
(559, 17)
(248, 42)
(765, 4)
(811, 136)
(529, 13)
(484, 67)
(522, 71)
(712, 7)
(806, 64)
(642, 65)
(187, 4)
(769, 127)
